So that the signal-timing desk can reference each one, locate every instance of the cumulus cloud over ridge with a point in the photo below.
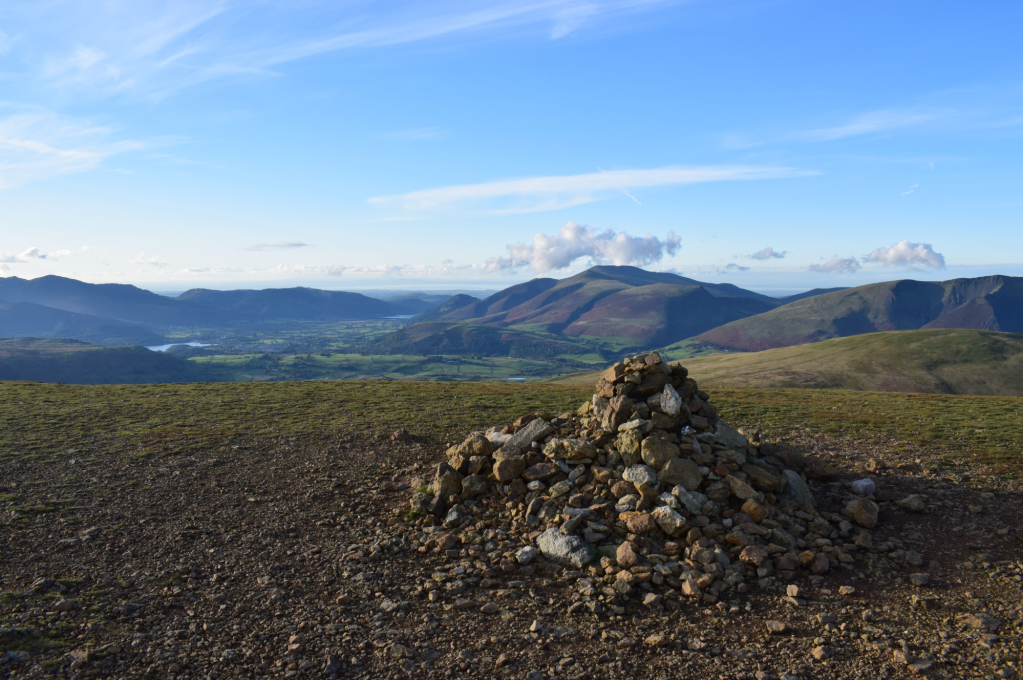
(574, 241)
(768, 254)
(907, 254)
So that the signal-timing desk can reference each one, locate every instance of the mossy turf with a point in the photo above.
(52, 422)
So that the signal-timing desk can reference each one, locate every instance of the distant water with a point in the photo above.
(164, 348)
(400, 316)
(514, 378)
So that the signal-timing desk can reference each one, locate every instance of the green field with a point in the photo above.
(938, 434)
(330, 366)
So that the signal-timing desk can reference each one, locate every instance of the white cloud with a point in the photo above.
(283, 245)
(153, 261)
(532, 194)
(841, 265)
(906, 254)
(910, 190)
(33, 253)
(37, 144)
(768, 254)
(575, 241)
(735, 268)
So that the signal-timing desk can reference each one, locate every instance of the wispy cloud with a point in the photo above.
(906, 254)
(283, 245)
(158, 48)
(732, 267)
(37, 144)
(910, 190)
(768, 254)
(837, 265)
(575, 241)
(874, 122)
(533, 194)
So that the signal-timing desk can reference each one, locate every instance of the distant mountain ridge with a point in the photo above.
(993, 303)
(49, 305)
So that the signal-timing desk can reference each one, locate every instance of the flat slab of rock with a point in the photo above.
(534, 430)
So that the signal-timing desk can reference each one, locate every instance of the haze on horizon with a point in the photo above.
(784, 145)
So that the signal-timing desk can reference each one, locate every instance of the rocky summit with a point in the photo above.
(644, 493)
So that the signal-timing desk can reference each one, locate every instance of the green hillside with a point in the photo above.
(953, 361)
(70, 361)
(992, 303)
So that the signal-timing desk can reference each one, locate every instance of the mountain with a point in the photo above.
(625, 306)
(27, 319)
(115, 304)
(297, 304)
(948, 361)
(807, 294)
(990, 303)
(70, 361)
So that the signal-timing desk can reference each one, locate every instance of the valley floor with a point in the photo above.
(257, 530)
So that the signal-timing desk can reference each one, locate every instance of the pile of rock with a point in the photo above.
(643, 487)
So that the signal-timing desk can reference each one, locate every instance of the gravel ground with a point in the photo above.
(290, 558)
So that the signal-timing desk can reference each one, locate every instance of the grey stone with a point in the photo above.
(669, 520)
(536, 429)
(671, 403)
(693, 501)
(569, 550)
(570, 449)
(797, 490)
(657, 452)
(641, 474)
(681, 471)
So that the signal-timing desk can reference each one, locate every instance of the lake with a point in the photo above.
(164, 348)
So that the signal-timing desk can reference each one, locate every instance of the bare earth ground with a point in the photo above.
(287, 555)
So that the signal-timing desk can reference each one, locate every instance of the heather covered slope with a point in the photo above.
(943, 361)
(990, 303)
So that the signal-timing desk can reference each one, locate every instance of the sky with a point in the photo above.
(777, 145)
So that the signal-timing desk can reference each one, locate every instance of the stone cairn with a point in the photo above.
(643, 490)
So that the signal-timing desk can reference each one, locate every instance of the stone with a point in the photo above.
(671, 403)
(797, 490)
(693, 501)
(762, 479)
(568, 550)
(754, 554)
(656, 452)
(626, 555)
(618, 410)
(778, 628)
(540, 472)
(757, 511)
(473, 485)
(476, 444)
(629, 444)
(727, 437)
(668, 520)
(509, 468)
(534, 430)
(863, 511)
(681, 472)
(652, 601)
(863, 487)
(614, 373)
(641, 523)
(526, 554)
(847, 590)
(739, 488)
(570, 449)
(559, 489)
(792, 590)
(820, 653)
(913, 503)
(447, 481)
(641, 474)
(920, 579)
(656, 640)
(981, 622)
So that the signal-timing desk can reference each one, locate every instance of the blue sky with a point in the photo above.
(777, 145)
